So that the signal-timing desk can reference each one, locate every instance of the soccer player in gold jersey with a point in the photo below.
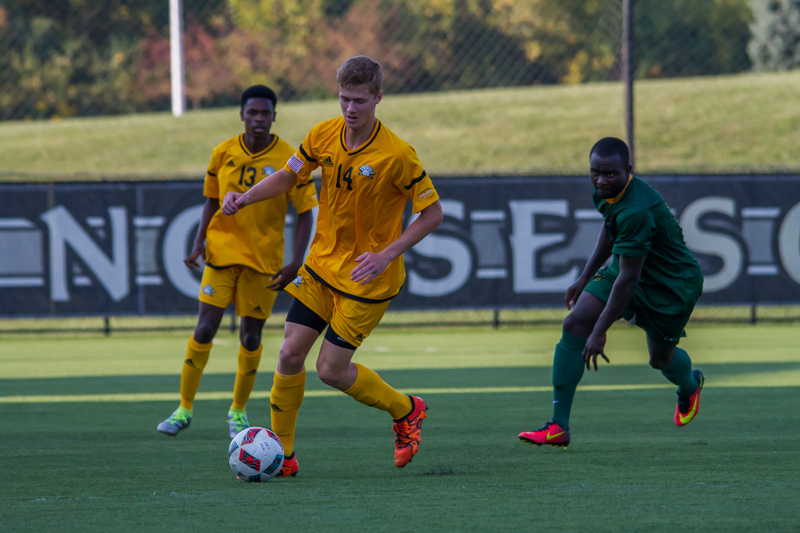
(355, 266)
(243, 253)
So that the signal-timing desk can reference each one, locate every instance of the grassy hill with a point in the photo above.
(743, 122)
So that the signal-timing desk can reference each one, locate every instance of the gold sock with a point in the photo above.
(245, 376)
(196, 359)
(371, 390)
(285, 400)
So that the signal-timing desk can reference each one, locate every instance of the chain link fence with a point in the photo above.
(77, 58)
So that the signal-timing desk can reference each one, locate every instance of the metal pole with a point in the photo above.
(176, 57)
(627, 72)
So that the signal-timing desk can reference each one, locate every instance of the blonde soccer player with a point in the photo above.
(243, 253)
(355, 266)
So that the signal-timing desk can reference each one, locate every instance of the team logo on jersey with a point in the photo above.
(230, 163)
(424, 194)
(327, 161)
(298, 281)
(267, 170)
(367, 171)
(209, 290)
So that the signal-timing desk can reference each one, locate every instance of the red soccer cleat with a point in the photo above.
(550, 433)
(688, 406)
(289, 467)
(408, 432)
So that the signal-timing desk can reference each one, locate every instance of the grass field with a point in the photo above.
(697, 124)
(79, 451)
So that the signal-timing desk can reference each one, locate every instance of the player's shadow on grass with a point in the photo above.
(439, 471)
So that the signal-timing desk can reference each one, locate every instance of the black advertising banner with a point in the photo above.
(118, 248)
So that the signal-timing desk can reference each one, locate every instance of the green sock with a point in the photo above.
(185, 411)
(679, 372)
(233, 411)
(567, 373)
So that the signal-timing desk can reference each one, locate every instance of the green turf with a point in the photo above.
(739, 122)
(101, 466)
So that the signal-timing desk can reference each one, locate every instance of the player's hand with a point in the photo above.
(199, 250)
(283, 277)
(595, 345)
(370, 266)
(574, 292)
(232, 202)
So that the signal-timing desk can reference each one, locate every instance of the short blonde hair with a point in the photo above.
(360, 70)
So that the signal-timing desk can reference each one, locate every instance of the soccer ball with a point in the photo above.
(255, 454)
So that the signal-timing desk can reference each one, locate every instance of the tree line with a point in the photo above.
(81, 57)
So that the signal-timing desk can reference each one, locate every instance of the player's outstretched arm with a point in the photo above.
(601, 253)
(302, 234)
(372, 265)
(199, 247)
(276, 184)
(630, 269)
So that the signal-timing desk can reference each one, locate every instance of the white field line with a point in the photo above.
(174, 396)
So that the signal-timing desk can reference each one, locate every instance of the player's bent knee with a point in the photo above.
(291, 353)
(204, 333)
(330, 375)
(577, 325)
(658, 363)
(660, 357)
(251, 341)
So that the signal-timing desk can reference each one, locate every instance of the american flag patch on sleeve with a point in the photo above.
(295, 164)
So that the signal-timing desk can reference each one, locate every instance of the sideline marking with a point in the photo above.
(174, 396)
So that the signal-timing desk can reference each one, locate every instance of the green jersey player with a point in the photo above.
(652, 279)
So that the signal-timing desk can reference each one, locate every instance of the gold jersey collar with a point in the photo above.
(618, 197)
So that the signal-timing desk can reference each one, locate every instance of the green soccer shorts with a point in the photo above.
(663, 329)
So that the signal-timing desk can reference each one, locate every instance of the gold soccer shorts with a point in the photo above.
(240, 284)
(352, 320)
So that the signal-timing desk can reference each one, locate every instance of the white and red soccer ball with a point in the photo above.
(255, 455)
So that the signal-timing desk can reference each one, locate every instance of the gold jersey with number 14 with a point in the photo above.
(253, 237)
(363, 195)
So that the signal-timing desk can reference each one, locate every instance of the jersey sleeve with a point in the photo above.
(414, 182)
(303, 196)
(211, 185)
(303, 162)
(634, 234)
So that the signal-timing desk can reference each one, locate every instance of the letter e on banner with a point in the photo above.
(525, 243)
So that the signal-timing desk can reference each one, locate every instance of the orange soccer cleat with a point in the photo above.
(550, 433)
(289, 467)
(688, 406)
(408, 433)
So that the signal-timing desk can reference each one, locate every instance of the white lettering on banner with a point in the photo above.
(450, 249)
(112, 273)
(525, 243)
(711, 243)
(789, 243)
(174, 251)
